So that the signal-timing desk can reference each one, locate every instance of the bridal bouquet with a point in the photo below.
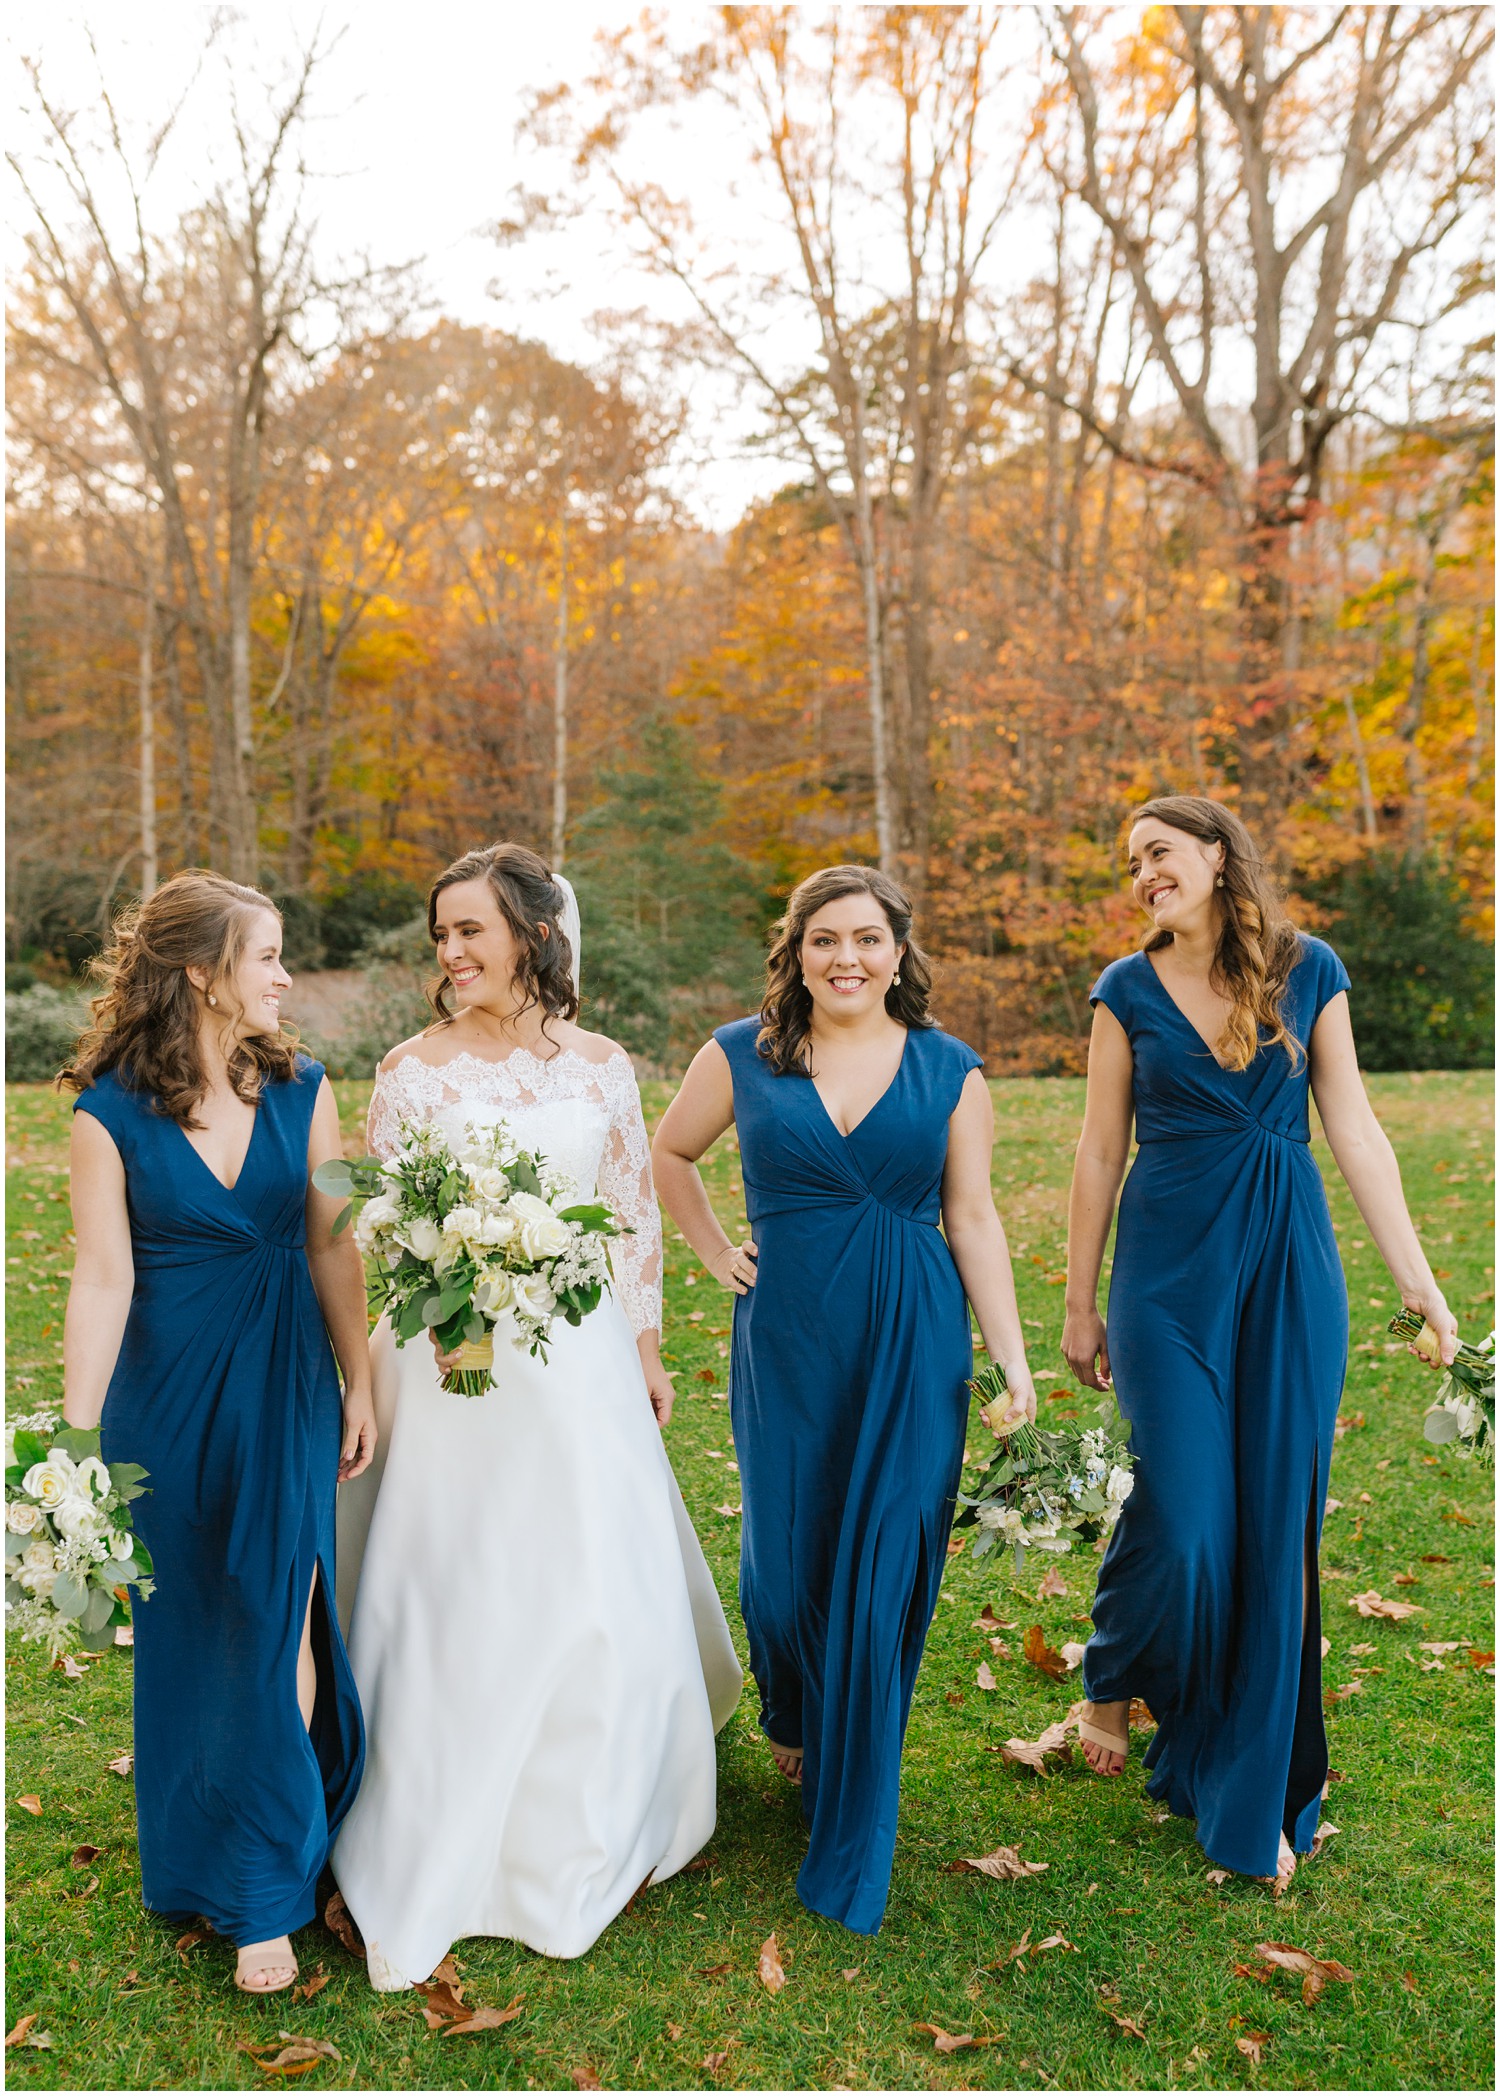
(471, 1241)
(69, 1553)
(1048, 1487)
(1463, 1412)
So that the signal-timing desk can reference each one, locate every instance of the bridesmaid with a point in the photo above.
(1228, 1328)
(205, 1289)
(860, 1126)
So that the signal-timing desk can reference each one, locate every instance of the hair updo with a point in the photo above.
(528, 898)
(787, 1006)
(1258, 943)
(146, 1017)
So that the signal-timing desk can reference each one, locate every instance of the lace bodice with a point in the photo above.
(584, 1117)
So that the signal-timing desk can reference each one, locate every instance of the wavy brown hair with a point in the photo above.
(786, 1007)
(146, 1016)
(527, 898)
(1258, 944)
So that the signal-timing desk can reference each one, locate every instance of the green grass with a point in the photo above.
(1401, 1895)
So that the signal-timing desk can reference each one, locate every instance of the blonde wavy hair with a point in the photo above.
(145, 1018)
(1259, 946)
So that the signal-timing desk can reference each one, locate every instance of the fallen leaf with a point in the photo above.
(32, 1805)
(85, 1853)
(190, 1941)
(312, 1986)
(1316, 1972)
(586, 2078)
(1073, 1656)
(984, 1677)
(1032, 1753)
(1457, 1514)
(1436, 1558)
(15, 2037)
(1055, 1943)
(1052, 1585)
(441, 2003)
(987, 1620)
(122, 1766)
(1218, 1877)
(713, 2062)
(1434, 1645)
(1017, 1950)
(1480, 1659)
(953, 1697)
(1327, 1646)
(949, 2041)
(297, 2056)
(484, 2020)
(999, 1647)
(674, 2031)
(125, 1634)
(1360, 1651)
(1252, 1972)
(1326, 1832)
(851, 1972)
(1370, 1604)
(85, 1891)
(1139, 1714)
(1337, 1695)
(69, 1666)
(1409, 1982)
(1041, 1654)
(955, 1545)
(340, 1922)
(1404, 1579)
(1253, 2045)
(727, 1511)
(446, 1972)
(1126, 2023)
(715, 1972)
(768, 1967)
(1002, 1863)
(1346, 1423)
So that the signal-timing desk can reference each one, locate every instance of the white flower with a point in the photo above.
(491, 1183)
(541, 1234)
(533, 1298)
(121, 1542)
(37, 1580)
(1120, 1486)
(50, 1483)
(22, 1518)
(378, 1214)
(93, 1476)
(495, 1291)
(462, 1224)
(992, 1516)
(494, 1230)
(39, 1556)
(422, 1237)
(77, 1518)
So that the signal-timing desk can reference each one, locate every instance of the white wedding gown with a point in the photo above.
(540, 1651)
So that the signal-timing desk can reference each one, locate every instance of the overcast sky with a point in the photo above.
(420, 105)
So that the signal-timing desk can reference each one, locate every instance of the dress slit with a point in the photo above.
(1307, 1770)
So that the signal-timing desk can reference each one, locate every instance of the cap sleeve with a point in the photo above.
(1114, 990)
(1329, 974)
(107, 1102)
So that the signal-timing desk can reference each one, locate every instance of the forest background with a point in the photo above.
(1114, 390)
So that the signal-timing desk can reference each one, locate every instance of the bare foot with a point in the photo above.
(788, 1760)
(1107, 1749)
(265, 1968)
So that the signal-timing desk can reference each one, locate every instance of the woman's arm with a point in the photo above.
(976, 1238)
(1362, 1152)
(103, 1272)
(338, 1277)
(696, 1118)
(1098, 1168)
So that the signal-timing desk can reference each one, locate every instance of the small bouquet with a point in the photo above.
(69, 1552)
(471, 1241)
(1463, 1412)
(1049, 1487)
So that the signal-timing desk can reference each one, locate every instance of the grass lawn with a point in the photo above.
(669, 1997)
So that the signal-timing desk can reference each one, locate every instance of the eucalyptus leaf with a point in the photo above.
(98, 1609)
(1439, 1427)
(334, 1177)
(432, 1310)
(125, 1476)
(69, 1594)
(341, 1220)
(30, 1448)
(99, 1639)
(77, 1441)
(14, 1593)
(120, 1570)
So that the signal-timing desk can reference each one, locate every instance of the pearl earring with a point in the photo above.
(1218, 880)
(212, 999)
(896, 980)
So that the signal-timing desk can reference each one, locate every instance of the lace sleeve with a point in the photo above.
(383, 1115)
(625, 1183)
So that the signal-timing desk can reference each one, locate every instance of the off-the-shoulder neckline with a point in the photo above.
(503, 1062)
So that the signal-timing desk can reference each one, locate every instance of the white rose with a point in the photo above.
(422, 1237)
(121, 1542)
(22, 1518)
(49, 1483)
(93, 1477)
(379, 1214)
(542, 1235)
(39, 1556)
(492, 1183)
(992, 1517)
(462, 1224)
(495, 1292)
(533, 1298)
(496, 1230)
(37, 1582)
(1120, 1486)
(77, 1518)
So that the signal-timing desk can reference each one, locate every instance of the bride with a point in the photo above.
(540, 1651)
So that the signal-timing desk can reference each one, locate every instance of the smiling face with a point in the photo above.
(849, 955)
(1172, 875)
(250, 999)
(476, 948)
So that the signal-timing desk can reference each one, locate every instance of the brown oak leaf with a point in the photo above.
(1041, 1654)
(340, 1922)
(1052, 1586)
(1032, 1753)
(1316, 1972)
(988, 1621)
(83, 1854)
(715, 1972)
(1370, 1604)
(17, 2036)
(190, 1941)
(714, 2062)
(314, 1984)
(484, 2020)
(1253, 2045)
(1002, 1863)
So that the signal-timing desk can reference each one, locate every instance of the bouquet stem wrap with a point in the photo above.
(470, 1375)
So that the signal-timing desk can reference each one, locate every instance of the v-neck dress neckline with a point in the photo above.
(847, 1134)
(239, 1177)
(1187, 1022)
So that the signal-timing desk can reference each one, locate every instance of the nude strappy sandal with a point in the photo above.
(1111, 1742)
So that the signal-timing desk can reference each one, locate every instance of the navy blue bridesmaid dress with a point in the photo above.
(226, 1390)
(1228, 1338)
(848, 1399)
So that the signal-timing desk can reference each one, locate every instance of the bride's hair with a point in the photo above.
(786, 1006)
(527, 898)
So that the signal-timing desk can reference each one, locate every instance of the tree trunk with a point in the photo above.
(148, 732)
(560, 702)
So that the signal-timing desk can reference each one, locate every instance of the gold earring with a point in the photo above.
(1218, 880)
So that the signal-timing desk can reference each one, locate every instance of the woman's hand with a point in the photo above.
(734, 1267)
(1086, 1348)
(446, 1362)
(659, 1390)
(1019, 1404)
(359, 1434)
(1432, 1304)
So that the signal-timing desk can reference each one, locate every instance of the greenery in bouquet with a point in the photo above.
(474, 1241)
(1462, 1415)
(69, 1551)
(1046, 1488)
